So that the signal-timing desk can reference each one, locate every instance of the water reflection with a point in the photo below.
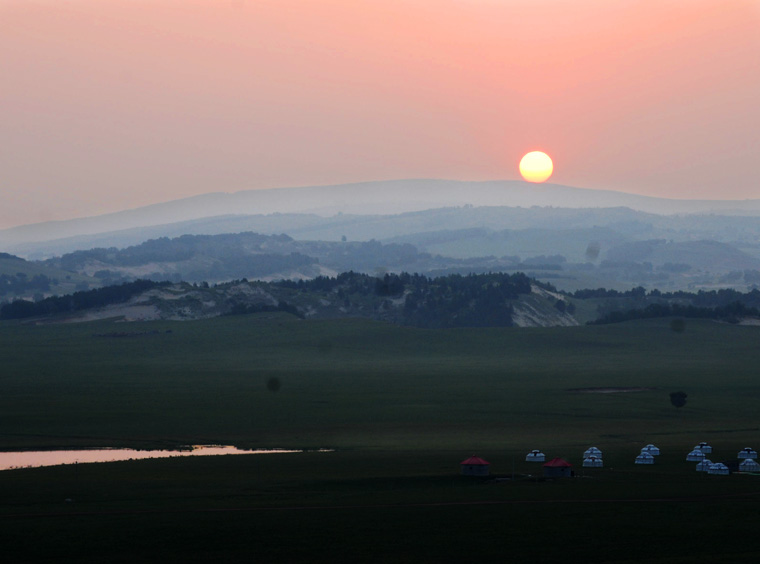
(34, 459)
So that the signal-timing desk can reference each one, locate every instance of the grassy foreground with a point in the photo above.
(401, 407)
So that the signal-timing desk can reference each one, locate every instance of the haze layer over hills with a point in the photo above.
(368, 198)
(571, 237)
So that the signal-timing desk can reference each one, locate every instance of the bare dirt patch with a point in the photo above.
(610, 390)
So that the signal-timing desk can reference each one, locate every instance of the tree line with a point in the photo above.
(20, 283)
(702, 298)
(454, 300)
(78, 301)
(732, 312)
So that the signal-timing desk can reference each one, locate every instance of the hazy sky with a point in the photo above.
(113, 104)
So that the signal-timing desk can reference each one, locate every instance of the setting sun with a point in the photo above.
(536, 167)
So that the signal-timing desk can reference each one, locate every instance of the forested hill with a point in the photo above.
(570, 254)
(219, 258)
(474, 300)
(483, 300)
(78, 301)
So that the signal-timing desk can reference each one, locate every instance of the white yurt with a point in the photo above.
(535, 456)
(645, 458)
(704, 466)
(593, 462)
(704, 447)
(749, 465)
(651, 449)
(718, 469)
(747, 453)
(695, 455)
(593, 451)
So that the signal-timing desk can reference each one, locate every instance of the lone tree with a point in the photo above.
(678, 399)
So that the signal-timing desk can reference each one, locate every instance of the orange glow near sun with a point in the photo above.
(536, 167)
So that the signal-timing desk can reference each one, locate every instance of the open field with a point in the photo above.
(401, 407)
(370, 507)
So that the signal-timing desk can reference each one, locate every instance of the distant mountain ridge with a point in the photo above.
(366, 198)
(571, 237)
(570, 257)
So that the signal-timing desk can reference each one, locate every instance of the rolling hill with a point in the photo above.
(368, 198)
(598, 239)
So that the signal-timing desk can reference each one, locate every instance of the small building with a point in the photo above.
(718, 469)
(593, 451)
(695, 455)
(645, 458)
(651, 449)
(704, 447)
(535, 456)
(749, 465)
(747, 453)
(558, 468)
(475, 466)
(593, 462)
(704, 465)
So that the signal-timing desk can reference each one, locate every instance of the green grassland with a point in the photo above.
(401, 407)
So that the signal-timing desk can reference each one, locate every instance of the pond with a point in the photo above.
(35, 459)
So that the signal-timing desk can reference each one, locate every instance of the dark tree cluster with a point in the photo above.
(702, 298)
(731, 313)
(454, 300)
(20, 283)
(77, 301)
(244, 309)
(475, 300)
(678, 399)
(638, 292)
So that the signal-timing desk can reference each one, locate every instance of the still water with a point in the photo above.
(33, 459)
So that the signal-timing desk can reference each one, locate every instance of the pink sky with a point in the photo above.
(113, 104)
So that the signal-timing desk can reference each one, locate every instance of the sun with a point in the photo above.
(536, 166)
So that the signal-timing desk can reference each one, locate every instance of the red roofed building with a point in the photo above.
(475, 466)
(558, 468)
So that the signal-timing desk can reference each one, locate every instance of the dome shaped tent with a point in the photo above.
(593, 451)
(695, 455)
(704, 447)
(704, 465)
(718, 469)
(535, 456)
(749, 465)
(651, 449)
(593, 462)
(747, 453)
(645, 458)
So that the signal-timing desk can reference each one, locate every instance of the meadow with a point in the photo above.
(401, 407)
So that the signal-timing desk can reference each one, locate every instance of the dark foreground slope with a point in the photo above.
(371, 507)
